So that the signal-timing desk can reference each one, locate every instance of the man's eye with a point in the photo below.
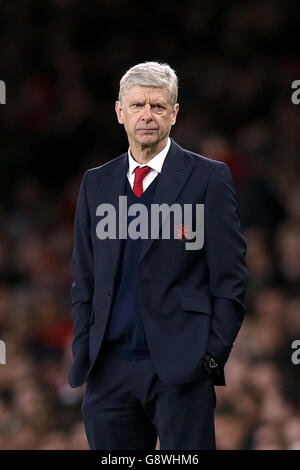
(136, 105)
(158, 108)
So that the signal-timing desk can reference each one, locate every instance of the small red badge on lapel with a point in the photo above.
(182, 231)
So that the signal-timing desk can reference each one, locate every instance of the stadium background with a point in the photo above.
(62, 61)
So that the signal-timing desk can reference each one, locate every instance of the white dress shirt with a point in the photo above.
(155, 164)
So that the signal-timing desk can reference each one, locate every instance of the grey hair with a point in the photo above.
(150, 74)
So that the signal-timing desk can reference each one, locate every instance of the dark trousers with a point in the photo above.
(126, 406)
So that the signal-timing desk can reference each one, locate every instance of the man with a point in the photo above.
(154, 322)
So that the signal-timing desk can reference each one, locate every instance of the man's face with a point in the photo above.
(147, 115)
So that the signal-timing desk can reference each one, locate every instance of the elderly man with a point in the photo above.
(154, 317)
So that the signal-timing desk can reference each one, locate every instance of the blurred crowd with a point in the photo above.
(62, 61)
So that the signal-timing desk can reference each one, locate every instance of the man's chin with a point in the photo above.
(148, 140)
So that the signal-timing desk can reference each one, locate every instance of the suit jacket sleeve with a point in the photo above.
(225, 250)
(83, 274)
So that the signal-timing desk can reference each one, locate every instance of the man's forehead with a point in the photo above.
(145, 93)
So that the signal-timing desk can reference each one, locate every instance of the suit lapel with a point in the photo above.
(173, 176)
(175, 171)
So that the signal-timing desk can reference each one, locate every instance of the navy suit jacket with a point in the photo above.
(192, 301)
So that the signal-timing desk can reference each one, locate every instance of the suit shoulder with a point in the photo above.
(107, 166)
(203, 162)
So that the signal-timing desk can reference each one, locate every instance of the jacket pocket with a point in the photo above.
(92, 316)
(196, 304)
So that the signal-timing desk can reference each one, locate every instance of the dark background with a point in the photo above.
(62, 61)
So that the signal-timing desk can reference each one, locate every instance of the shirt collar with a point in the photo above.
(155, 163)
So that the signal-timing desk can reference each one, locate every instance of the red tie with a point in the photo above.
(140, 173)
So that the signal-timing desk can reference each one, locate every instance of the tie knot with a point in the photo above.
(141, 172)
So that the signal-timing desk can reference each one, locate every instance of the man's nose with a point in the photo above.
(147, 112)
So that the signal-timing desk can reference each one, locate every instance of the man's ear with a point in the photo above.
(174, 113)
(119, 112)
